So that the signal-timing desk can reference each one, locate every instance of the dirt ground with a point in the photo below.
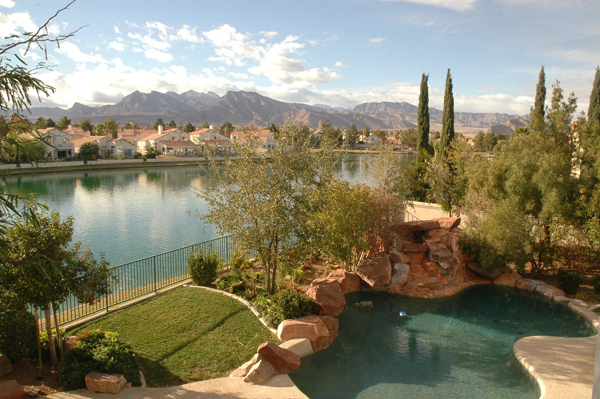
(40, 382)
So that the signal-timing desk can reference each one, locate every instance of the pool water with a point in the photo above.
(459, 347)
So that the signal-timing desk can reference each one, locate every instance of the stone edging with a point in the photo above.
(239, 299)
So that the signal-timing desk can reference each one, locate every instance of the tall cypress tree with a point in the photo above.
(448, 118)
(423, 118)
(594, 108)
(538, 112)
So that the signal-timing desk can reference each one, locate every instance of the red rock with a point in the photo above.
(11, 390)
(448, 223)
(282, 360)
(508, 279)
(438, 235)
(432, 269)
(5, 365)
(417, 272)
(399, 257)
(427, 288)
(414, 248)
(527, 284)
(475, 268)
(245, 368)
(102, 382)
(333, 325)
(261, 372)
(311, 327)
(376, 271)
(420, 225)
(328, 296)
(350, 281)
(548, 290)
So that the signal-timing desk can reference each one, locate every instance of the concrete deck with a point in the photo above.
(280, 387)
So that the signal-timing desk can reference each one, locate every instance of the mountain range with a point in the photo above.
(240, 107)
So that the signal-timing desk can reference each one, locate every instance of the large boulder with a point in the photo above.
(105, 383)
(5, 365)
(282, 360)
(261, 372)
(11, 390)
(548, 290)
(424, 225)
(376, 271)
(312, 327)
(439, 253)
(448, 223)
(333, 326)
(509, 279)
(245, 368)
(527, 284)
(328, 296)
(350, 281)
(399, 279)
(414, 248)
(475, 268)
(300, 346)
(427, 288)
(399, 257)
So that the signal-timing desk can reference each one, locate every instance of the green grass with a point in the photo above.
(187, 334)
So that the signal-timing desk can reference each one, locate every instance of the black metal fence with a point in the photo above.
(142, 277)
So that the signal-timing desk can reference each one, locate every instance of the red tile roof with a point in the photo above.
(182, 143)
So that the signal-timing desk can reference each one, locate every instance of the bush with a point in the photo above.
(596, 283)
(203, 268)
(569, 281)
(286, 304)
(232, 283)
(17, 328)
(244, 284)
(46, 347)
(239, 261)
(98, 351)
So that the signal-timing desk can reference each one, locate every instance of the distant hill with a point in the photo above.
(509, 127)
(250, 107)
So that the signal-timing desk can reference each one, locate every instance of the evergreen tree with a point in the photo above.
(352, 135)
(448, 119)
(189, 128)
(50, 123)
(538, 112)
(423, 119)
(172, 124)
(594, 108)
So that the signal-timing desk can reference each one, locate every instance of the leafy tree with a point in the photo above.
(366, 132)
(538, 111)
(172, 124)
(352, 135)
(423, 120)
(226, 129)
(331, 136)
(50, 123)
(128, 125)
(69, 269)
(448, 118)
(594, 107)
(152, 152)
(63, 123)
(205, 125)
(89, 150)
(447, 177)
(40, 123)
(110, 127)
(189, 128)
(159, 122)
(264, 201)
(382, 134)
(408, 137)
(86, 125)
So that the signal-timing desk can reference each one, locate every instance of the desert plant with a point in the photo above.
(286, 304)
(98, 351)
(569, 281)
(203, 267)
(239, 260)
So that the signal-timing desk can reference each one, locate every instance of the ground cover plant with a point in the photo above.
(187, 334)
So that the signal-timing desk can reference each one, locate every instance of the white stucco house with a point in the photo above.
(121, 147)
(169, 142)
(102, 142)
(59, 144)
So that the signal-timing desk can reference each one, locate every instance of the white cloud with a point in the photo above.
(270, 34)
(158, 55)
(240, 75)
(117, 46)
(16, 23)
(7, 3)
(71, 51)
(340, 64)
(30, 54)
(376, 41)
(187, 34)
(457, 5)
(116, 28)
(149, 42)
(231, 46)
(162, 28)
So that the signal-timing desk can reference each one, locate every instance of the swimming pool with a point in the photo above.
(458, 347)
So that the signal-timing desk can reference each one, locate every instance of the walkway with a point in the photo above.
(280, 387)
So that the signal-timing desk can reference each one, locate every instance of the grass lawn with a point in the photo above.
(186, 334)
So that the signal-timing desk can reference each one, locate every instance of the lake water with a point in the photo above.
(133, 213)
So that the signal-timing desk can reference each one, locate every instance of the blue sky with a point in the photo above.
(339, 53)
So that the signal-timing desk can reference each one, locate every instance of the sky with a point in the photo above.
(335, 52)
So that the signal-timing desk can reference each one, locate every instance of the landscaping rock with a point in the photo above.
(508, 279)
(106, 383)
(423, 225)
(11, 390)
(5, 365)
(548, 290)
(261, 372)
(333, 326)
(311, 327)
(300, 346)
(439, 235)
(414, 248)
(376, 271)
(399, 257)
(350, 281)
(561, 299)
(527, 284)
(282, 360)
(475, 268)
(245, 368)
(439, 253)
(328, 296)
(70, 340)
(416, 258)
(427, 288)
(448, 223)
(399, 279)
(432, 269)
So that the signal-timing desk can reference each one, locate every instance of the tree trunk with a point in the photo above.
(37, 335)
(58, 337)
(51, 340)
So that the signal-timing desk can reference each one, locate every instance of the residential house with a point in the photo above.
(121, 147)
(169, 142)
(102, 142)
(59, 145)
(211, 138)
(264, 137)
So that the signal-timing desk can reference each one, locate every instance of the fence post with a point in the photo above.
(154, 262)
(106, 295)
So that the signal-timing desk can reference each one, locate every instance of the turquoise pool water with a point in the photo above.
(460, 347)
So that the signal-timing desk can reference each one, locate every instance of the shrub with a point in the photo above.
(17, 328)
(596, 283)
(232, 283)
(203, 268)
(44, 343)
(569, 281)
(286, 304)
(98, 351)
(245, 284)
(239, 261)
